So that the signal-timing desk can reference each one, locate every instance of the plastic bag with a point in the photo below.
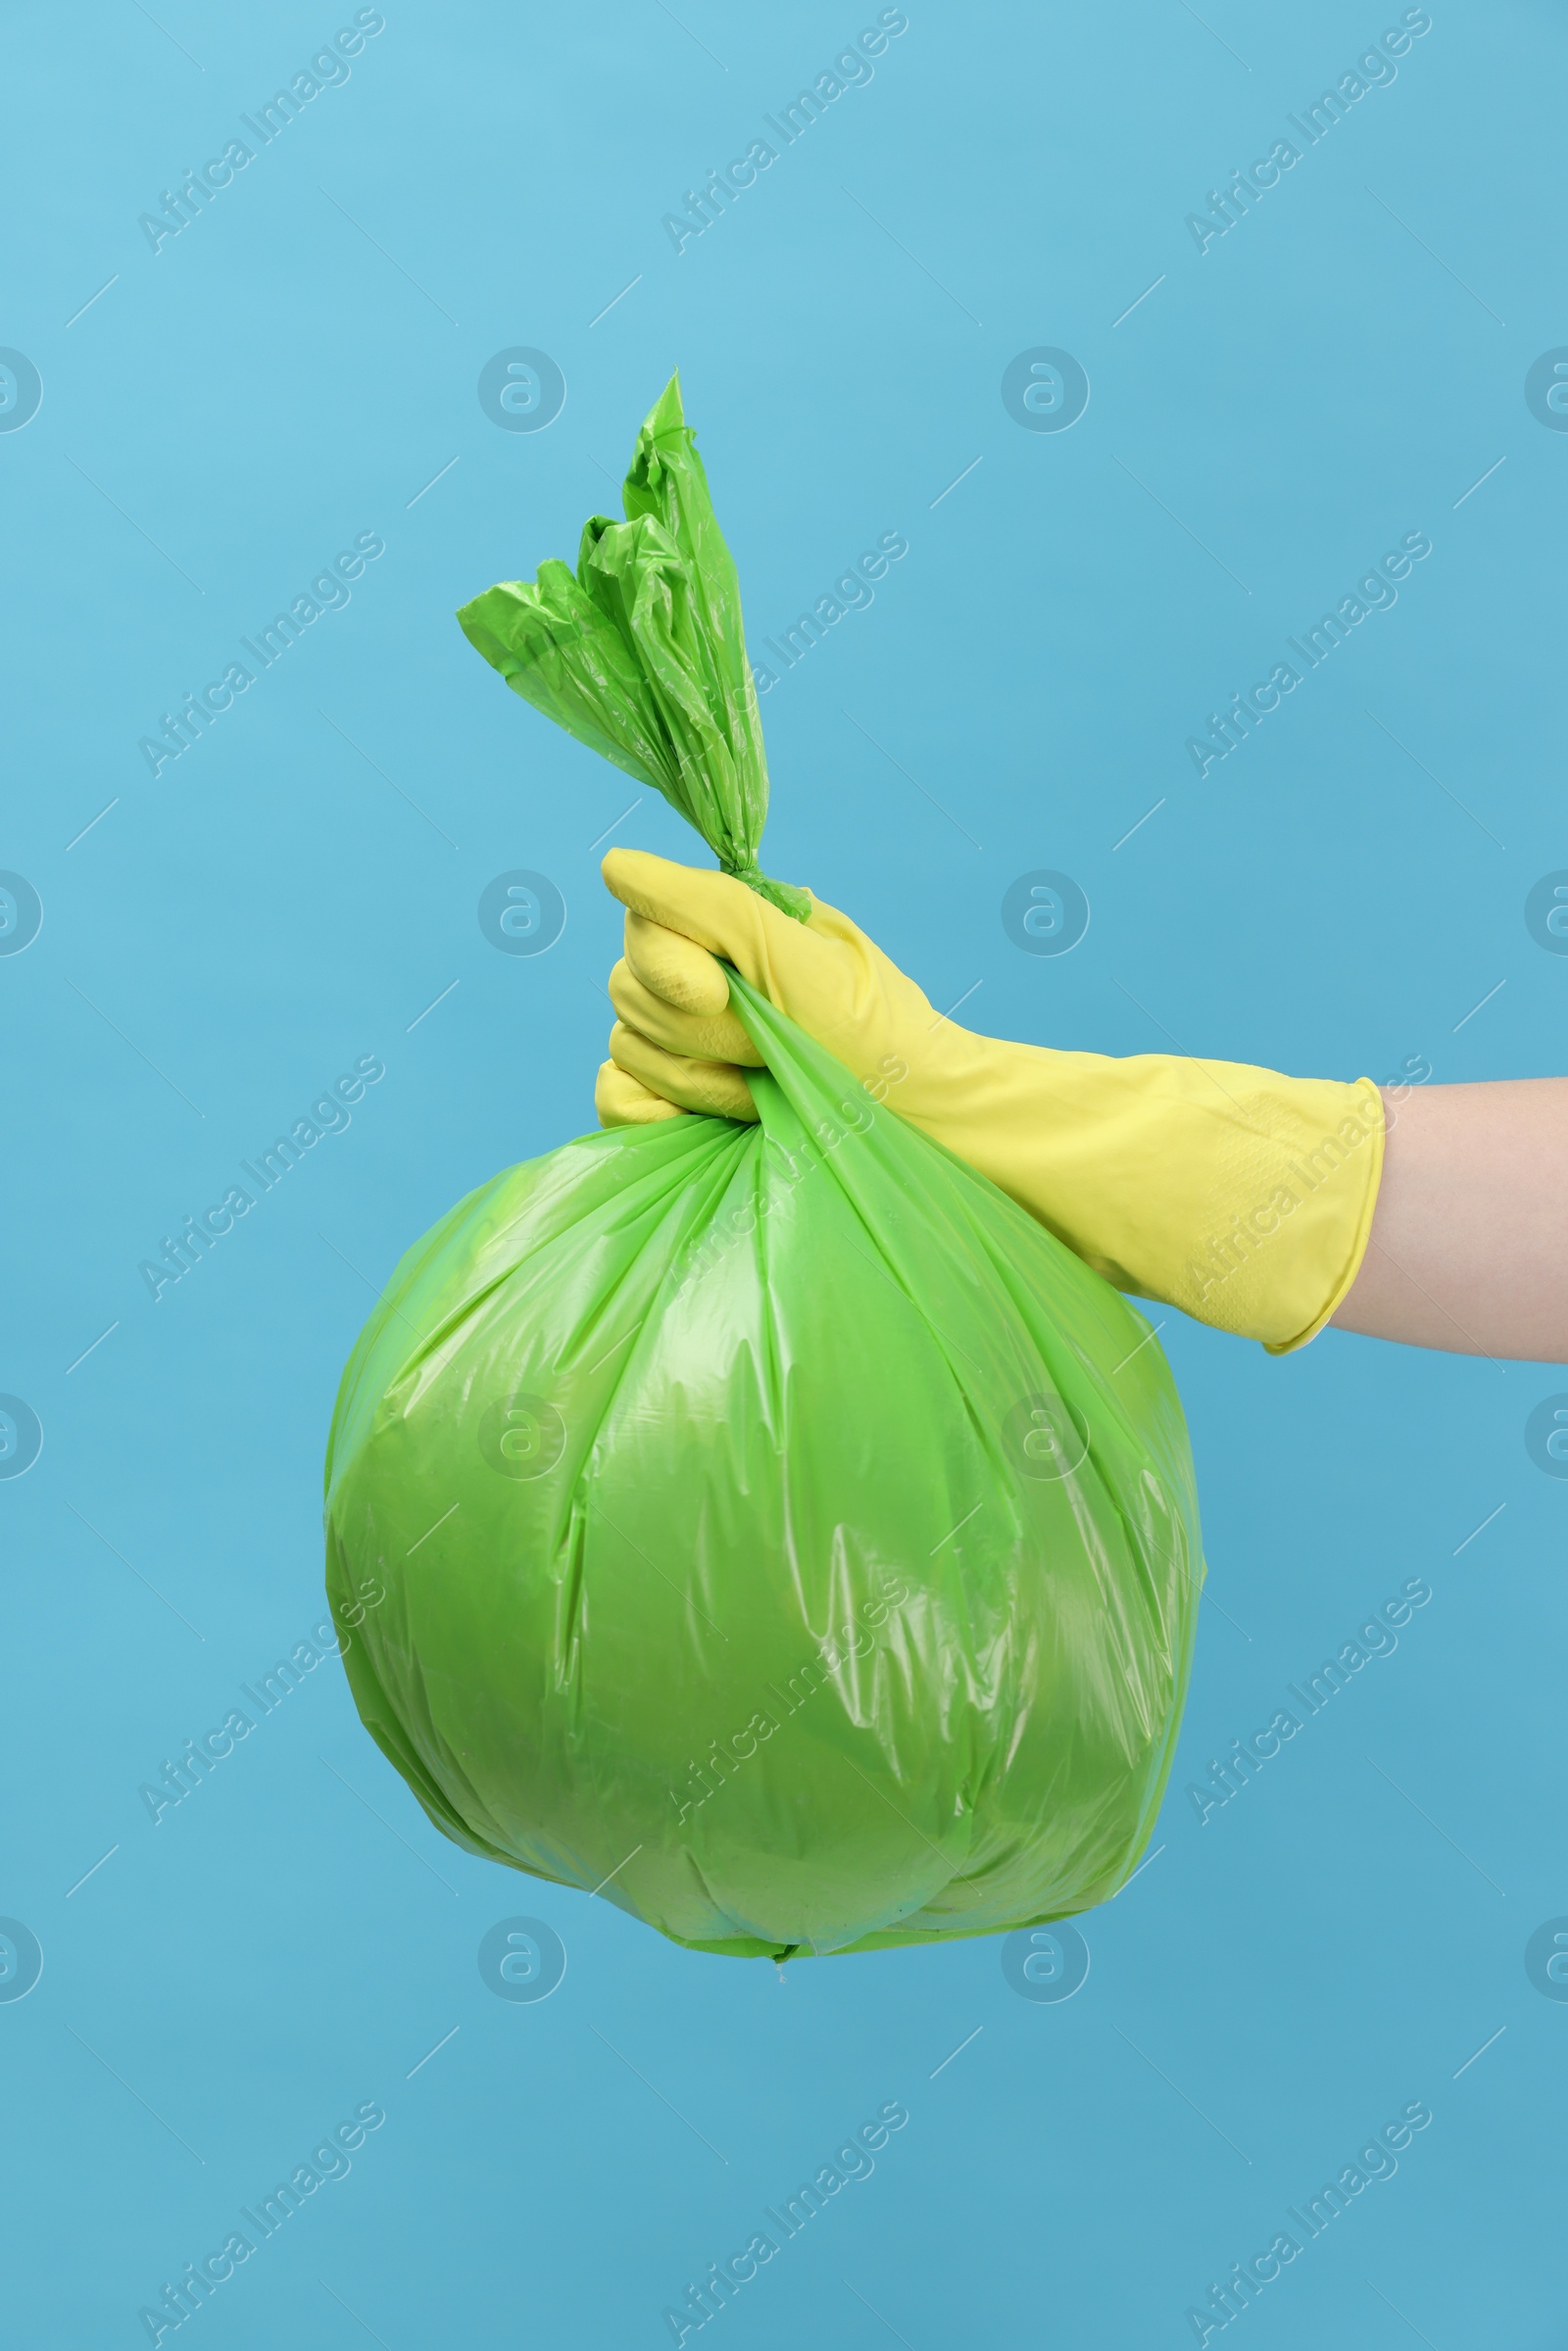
(780, 1532)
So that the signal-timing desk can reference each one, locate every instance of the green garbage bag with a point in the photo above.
(771, 1528)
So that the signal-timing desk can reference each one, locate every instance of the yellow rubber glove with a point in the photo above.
(1242, 1197)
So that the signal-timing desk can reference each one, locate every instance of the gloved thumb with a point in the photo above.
(770, 950)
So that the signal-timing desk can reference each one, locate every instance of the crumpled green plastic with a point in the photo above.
(770, 1527)
(641, 654)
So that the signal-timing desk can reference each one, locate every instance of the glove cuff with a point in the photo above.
(1369, 1113)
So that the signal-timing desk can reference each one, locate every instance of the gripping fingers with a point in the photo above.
(675, 966)
(715, 1087)
(691, 1036)
(625, 1102)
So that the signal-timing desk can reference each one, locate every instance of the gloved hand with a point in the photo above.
(1242, 1197)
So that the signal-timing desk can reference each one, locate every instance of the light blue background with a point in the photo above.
(294, 1939)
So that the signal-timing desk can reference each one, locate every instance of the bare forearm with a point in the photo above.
(1469, 1247)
